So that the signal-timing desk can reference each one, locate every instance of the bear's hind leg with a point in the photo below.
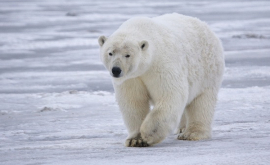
(199, 115)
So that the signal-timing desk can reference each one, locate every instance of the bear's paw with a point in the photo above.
(194, 135)
(136, 142)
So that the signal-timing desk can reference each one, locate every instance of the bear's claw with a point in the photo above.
(136, 142)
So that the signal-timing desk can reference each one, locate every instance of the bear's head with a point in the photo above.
(124, 57)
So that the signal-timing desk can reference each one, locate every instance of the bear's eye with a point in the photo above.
(127, 56)
(110, 54)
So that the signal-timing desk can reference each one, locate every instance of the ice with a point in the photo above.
(57, 100)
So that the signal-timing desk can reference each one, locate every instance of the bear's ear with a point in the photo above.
(101, 40)
(144, 45)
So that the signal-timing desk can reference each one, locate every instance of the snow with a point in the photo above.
(57, 100)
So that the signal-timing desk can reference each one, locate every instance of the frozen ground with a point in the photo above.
(57, 101)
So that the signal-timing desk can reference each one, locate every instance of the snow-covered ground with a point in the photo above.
(57, 101)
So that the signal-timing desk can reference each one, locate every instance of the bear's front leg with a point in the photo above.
(160, 122)
(133, 101)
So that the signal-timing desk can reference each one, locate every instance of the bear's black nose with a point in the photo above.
(116, 71)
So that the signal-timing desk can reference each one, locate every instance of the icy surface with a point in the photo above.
(57, 101)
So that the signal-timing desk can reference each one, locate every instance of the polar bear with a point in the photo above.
(167, 72)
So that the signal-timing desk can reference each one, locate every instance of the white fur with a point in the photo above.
(178, 71)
